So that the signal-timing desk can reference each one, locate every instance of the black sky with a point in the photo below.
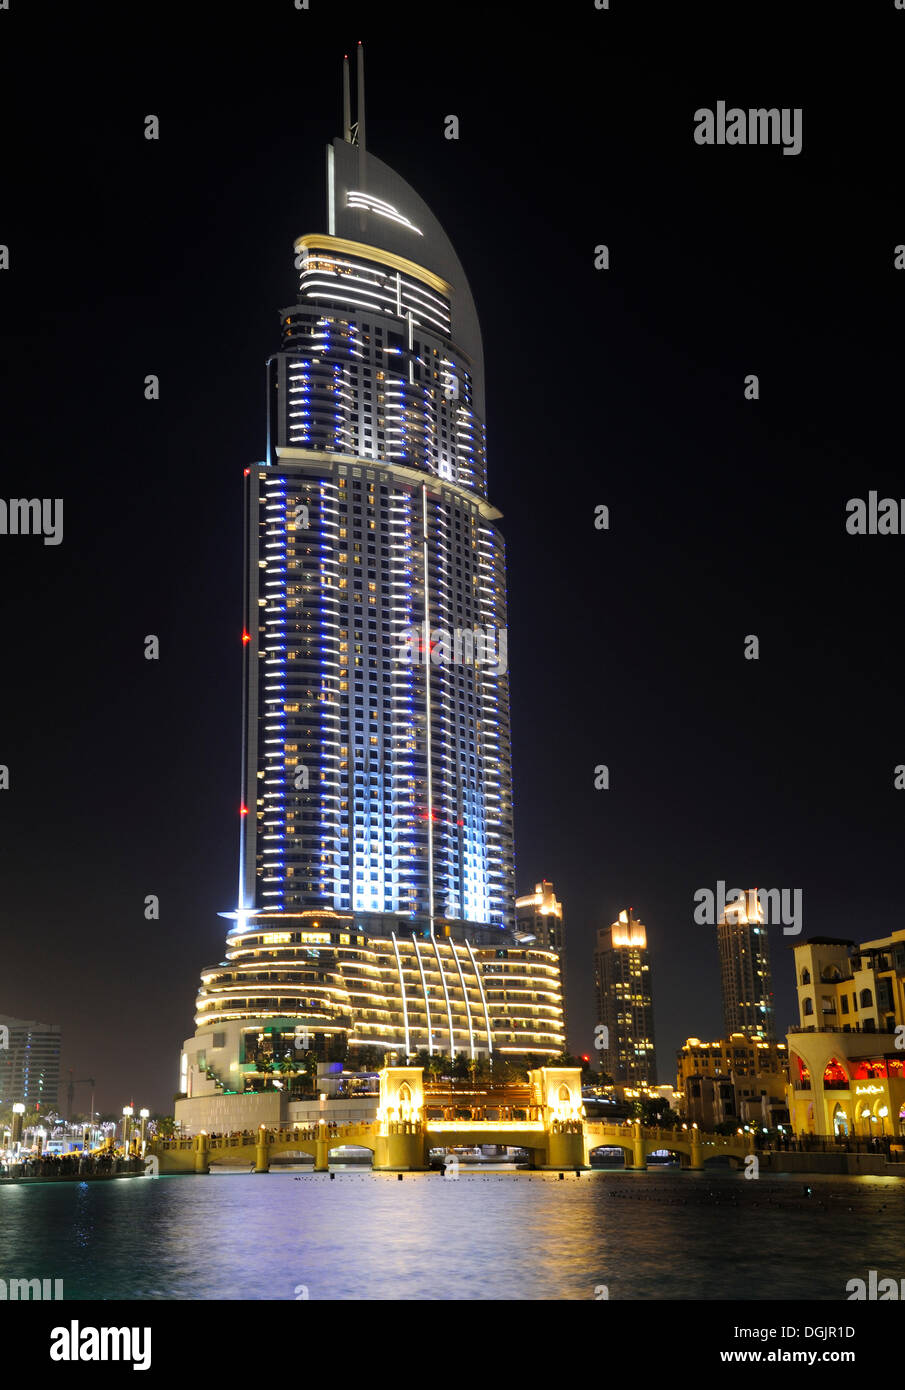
(622, 387)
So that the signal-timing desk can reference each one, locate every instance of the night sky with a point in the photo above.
(622, 387)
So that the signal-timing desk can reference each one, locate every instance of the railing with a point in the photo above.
(72, 1166)
(824, 1028)
(829, 1143)
(502, 1126)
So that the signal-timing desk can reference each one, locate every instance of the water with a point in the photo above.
(664, 1235)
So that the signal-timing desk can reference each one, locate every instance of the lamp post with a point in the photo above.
(144, 1120)
(128, 1112)
(16, 1135)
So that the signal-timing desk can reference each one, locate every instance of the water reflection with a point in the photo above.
(497, 1235)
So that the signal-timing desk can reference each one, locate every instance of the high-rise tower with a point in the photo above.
(745, 974)
(29, 1062)
(539, 917)
(376, 882)
(625, 1003)
(369, 520)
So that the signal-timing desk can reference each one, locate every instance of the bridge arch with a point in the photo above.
(334, 1154)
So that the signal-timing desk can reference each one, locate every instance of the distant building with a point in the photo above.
(736, 1078)
(540, 914)
(745, 969)
(650, 1093)
(30, 1064)
(622, 977)
(539, 921)
(847, 1076)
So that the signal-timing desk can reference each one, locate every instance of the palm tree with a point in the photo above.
(502, 1070)
(460, 1067)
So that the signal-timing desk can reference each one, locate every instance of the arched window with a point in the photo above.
(867, 999)
(806, 976)
(835, 1076)
(565, 1095)
(808, 1007)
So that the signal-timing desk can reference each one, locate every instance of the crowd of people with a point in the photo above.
(821, 1143)
(310, 1131)
(71, 1165)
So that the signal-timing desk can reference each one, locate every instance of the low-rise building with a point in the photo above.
(739, 1078)
(846, 1069)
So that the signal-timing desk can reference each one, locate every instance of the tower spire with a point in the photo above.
(360, 109)
(347, 102)
(360, 105)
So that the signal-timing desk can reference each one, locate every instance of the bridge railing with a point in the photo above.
(667, 1137)
(295, 1133)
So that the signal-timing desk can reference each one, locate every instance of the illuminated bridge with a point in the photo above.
(556, 1135)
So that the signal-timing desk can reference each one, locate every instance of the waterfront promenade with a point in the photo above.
(74, 1167)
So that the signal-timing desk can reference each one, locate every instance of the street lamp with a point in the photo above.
(128, 1112)
(144, 1120)
(18, 1112)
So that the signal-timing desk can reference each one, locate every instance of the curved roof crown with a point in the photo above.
(369, 202)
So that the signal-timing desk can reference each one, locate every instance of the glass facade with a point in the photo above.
(377, 889)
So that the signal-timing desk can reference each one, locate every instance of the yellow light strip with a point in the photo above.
(374, 253)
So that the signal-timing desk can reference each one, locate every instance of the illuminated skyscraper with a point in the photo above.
(539, 918)
(745, 969)
(369, 520)
(625, 1003)
(376, 863)
(29, 1062)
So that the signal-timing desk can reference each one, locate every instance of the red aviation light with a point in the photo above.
(246, 635)
(243, 810)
